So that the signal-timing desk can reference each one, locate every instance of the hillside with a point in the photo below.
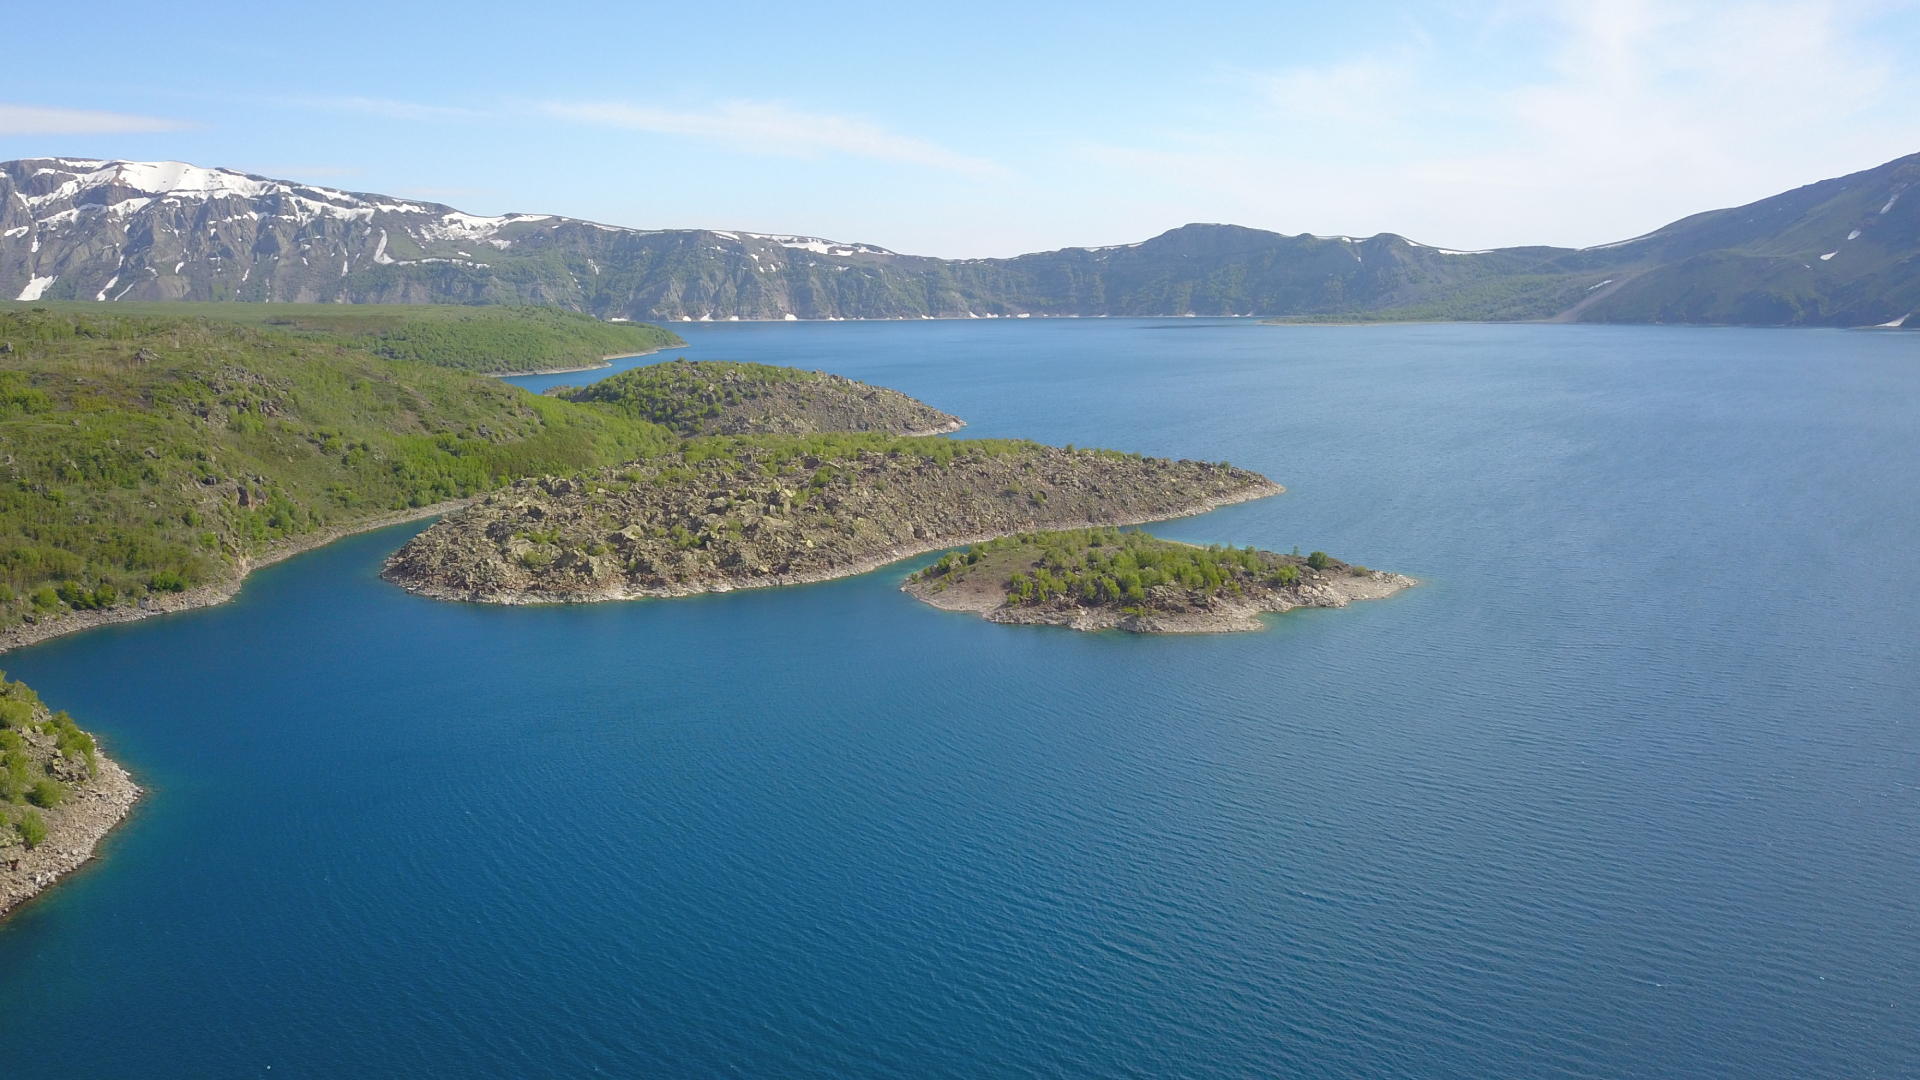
(742, 513)
(485, 339)
(1841, 252)
(718, 397)
(149, 456)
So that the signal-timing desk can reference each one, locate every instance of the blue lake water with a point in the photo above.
(1629, 787)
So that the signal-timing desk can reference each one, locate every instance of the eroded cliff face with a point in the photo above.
(671, 527)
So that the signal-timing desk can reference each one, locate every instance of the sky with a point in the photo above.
(992, 129)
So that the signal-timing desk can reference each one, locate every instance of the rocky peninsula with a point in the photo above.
(739, 514)
(723, 397)
(59, 795)
(1104, 578)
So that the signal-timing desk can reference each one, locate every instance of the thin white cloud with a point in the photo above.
(772, 128)
(1636, 112)
(1369, 90)
(48, 120)
(444, 192)
(300, 172)
(395, 110)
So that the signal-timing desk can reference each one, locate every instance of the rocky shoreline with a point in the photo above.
(1106, 579)
(74, 829)
(1221, 615)
(670, 527)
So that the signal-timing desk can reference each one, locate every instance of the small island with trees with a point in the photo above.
(1109, 578)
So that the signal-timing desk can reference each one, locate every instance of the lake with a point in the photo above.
(1630, 786)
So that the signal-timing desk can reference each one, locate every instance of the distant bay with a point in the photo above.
(1629, 787)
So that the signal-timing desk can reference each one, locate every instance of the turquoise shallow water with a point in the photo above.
(1629, 787)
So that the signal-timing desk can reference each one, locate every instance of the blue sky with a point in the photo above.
(998, 128)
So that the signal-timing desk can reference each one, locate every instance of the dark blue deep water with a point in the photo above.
(1629, 788)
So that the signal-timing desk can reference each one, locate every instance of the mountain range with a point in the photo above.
(1841, 252)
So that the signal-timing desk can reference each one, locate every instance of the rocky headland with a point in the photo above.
(1106, 579)
(780, 513)
(59, 795)
(723, 397)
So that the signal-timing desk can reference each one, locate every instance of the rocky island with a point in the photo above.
(1104, 578)
(728, 514)
(58, 794)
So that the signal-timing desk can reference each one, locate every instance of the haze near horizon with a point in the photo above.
(1014, 129)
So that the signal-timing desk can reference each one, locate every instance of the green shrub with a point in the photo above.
(15, 713)
(1318, 560)
(167, 581)
(16, 775)
(32, 829)
(46, 792)
(72, 741)
(80, 598)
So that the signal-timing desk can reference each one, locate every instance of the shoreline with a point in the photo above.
(1226, 616)
(74, 831)
(22, 635)
(855, 569)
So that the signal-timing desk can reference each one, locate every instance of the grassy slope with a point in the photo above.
(491, 339)
(144, 453)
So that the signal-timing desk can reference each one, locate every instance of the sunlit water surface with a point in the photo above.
(1629, 787)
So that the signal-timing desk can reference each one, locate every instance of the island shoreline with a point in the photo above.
(1230, 616)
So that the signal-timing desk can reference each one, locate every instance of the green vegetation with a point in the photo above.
(489, 339)
(1505, 298)
(1112, 566)
(144, 454)
(32, 829)
(40, 752)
